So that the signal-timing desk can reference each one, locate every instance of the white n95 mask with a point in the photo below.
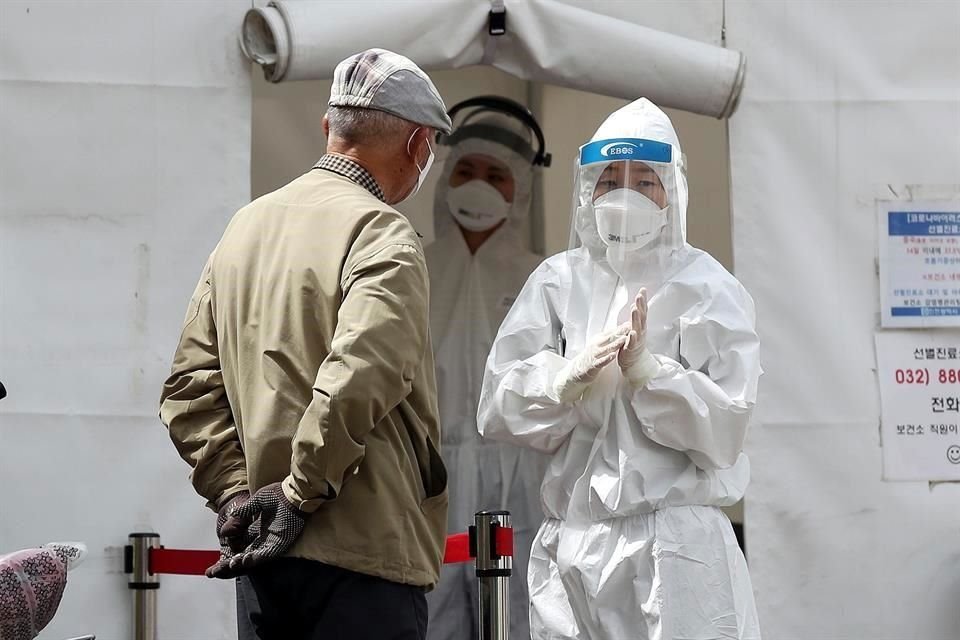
(628, 219)
(477, 205)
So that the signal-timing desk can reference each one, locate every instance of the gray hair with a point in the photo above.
(358, 126)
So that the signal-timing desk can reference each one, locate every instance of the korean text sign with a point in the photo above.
(920, 404)
(919, 264)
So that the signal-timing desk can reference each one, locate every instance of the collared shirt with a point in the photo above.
(351, 170)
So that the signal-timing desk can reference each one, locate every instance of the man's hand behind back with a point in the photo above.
(280, 524)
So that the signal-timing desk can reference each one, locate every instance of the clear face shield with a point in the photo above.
(627, 222)
(625, 194)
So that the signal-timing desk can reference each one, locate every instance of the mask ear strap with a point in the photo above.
(409, 140)
(429, 148)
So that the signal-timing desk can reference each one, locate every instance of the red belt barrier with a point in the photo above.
(458, 549)
(189, 562)
(184, 562)
(503, 538)
(458, 546)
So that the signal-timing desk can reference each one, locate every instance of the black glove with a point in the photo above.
(239, 538)
(280, 525)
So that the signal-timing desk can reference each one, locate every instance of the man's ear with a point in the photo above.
(431, 136)
(326, 126)
(424, 137)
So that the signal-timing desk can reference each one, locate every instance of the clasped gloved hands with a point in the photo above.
(256, 530)
(627, 344)
(636, 362)
(238, 538)
(580, 372)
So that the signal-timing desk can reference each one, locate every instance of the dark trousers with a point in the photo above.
(296, 599)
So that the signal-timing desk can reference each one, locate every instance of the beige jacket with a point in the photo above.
(305, 358)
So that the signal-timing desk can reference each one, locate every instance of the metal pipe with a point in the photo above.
(145, 614)
(144, 584)
(493, 575)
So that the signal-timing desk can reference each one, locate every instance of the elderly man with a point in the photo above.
(303, 391)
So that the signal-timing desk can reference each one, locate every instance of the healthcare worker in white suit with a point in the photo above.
(632, 359)
(477, 265)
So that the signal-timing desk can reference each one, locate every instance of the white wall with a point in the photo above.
(124, 150)
(842, 100)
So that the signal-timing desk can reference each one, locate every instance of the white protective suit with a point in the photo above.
(470, 295)
(634, 545)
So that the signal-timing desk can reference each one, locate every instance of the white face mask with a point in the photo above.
(426, 167)
(628, 219)
(477, 205)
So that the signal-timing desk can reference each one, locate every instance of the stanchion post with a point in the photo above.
(493, 574)
(143, 583)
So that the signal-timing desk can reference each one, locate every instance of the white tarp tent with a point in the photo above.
(124, 148)
(847, 103)
(121, 160)
(539, 40)
(125, 136)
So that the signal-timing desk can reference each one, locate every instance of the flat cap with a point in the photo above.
(387, 81)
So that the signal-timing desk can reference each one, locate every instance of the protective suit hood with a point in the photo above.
(504, 139)
(640, 120)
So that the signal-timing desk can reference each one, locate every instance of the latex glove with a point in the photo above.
(280, 524)
(637, 364)
(580, 372)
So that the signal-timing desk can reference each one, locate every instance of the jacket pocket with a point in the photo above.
(424, 461)
(435, 482)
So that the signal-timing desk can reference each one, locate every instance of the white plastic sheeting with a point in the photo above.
(124, 150)
(545, 41)
(124, 133)
(847, 103)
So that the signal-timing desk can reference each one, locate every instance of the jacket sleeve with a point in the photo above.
(517, 399)
(378, 346)
(702, 404)
(194, 404)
